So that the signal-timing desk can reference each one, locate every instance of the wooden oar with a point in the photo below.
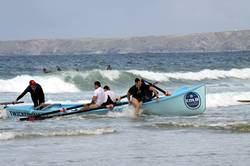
(42, 117)
(156, 87)
(124, 96)
(77, 112)
(11, 102)
(34, 117)
(244, 101)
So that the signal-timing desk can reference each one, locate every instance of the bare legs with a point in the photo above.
(137, 105)
(89, 106)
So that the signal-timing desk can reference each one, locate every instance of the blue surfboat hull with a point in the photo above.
(184, 101)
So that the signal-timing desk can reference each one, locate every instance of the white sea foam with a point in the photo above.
(3, 113)
(108, 74)
(226, 98)
(98, 131)
(111, 74)
(50, 84)
(127, 112)
(195, 76)
(7, 136)
(70, 81)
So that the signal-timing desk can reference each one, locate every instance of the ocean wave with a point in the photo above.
(225, 99)
(21, 135)
(3, 114)
(239, 127)
(50, 84)
(194, 76)
(73, 81)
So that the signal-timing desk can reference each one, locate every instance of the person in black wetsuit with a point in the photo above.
(109, 67)
(138, 92)
(149, 92)
(36, 92)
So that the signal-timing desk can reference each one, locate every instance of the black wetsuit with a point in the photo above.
(148, 94)
(139, 94)
(143, 94)
(37, 95)
(109, 101)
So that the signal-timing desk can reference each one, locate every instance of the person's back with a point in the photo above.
(36, 93)
(110, 95)
(100, 96)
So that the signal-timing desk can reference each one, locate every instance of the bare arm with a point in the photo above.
(94, 98)
(154, 91)
(128, 97)
(22, 94)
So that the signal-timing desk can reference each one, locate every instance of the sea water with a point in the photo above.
(220, 136)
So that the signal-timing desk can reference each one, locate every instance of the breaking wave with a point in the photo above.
(73, 81)
(225, 99)
(195, 76)
(21, 135)
(239, 127)
(50, 84)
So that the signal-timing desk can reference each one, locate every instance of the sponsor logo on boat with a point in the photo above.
(192, 100)
(21, 113)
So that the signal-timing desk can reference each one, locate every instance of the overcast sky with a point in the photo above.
(31, 19)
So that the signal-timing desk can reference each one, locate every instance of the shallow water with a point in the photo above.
(220, 136)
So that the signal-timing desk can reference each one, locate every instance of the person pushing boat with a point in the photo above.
(139, 91)
(36, 93)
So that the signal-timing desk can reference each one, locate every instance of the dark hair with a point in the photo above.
(97, 83)
(137, 79)
(106, 87)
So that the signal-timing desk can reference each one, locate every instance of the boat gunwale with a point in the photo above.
(164, 98)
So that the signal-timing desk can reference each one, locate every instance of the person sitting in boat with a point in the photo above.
(110, 97)
(137, 92)
(98, 98)
(149, 93)
(36, 92)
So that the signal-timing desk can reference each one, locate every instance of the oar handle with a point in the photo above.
(123, 96)
(12, 102)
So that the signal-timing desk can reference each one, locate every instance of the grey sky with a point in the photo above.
(30, 19)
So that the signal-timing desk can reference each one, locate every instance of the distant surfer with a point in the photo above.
(36, 93)
(46, 71)
(109, 67)
(58, 68)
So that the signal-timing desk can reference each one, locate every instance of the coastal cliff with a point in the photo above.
(199, 42)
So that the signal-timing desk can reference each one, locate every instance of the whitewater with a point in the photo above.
(78, 81)
(219, 136)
